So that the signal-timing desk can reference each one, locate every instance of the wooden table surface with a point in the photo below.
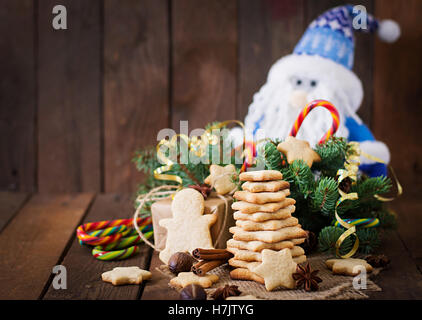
(37, 232)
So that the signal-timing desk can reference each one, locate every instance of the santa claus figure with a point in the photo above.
(321, 68)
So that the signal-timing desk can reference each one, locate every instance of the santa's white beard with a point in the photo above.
(272, 104)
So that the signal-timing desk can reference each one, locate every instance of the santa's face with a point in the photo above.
(290, 86)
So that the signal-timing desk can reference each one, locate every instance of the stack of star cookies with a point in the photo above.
(263, 214)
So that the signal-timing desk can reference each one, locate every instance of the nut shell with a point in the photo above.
(180, 262)
(193, 292)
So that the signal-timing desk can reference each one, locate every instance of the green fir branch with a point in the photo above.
(333, 154)
(299, 174)
(273, 157)
(325, 196)
(328, 237)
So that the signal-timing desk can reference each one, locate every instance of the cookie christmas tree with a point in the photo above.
(314, 184)
(316, 191)
(263, 221)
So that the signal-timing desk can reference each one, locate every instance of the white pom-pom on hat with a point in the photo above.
(388, 30)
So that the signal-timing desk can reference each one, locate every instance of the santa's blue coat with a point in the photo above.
(360, 133)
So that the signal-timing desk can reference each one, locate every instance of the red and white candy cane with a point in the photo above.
(318, 103)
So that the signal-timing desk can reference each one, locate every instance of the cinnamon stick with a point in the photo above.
(201, 269)
(211, 254)
(198, 264)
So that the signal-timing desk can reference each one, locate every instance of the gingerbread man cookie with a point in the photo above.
(189, 228)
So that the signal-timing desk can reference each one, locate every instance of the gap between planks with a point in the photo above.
(84, 271)
(33, 242)
(10, 204)
(157, 288)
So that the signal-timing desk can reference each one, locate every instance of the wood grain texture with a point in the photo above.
(84, 271)
(69, 82)
(158, 288)
(409, 213)
(204, 60)
(401, 279)
(397, 92)
(268, 30)
(136, 58)
(10, 203)
(17, 96)
(34, 240)
(364, 50)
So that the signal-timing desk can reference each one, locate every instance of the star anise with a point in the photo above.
(378, 261)
(306, 277)
(224, 292)
(204, 189)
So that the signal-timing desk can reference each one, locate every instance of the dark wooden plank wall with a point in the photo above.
(76, 103)
(204, 61)
(69, 95)
(136, 84)
(17, 96)
(397, 109)
(268, 30)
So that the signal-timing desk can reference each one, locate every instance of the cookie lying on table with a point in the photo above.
(348, 267)
(126, 275)
(185, 278)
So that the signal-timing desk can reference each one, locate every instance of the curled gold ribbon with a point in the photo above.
(399, 186)
(350, 170)
(351, 167)
(350, 229)
(168, 164)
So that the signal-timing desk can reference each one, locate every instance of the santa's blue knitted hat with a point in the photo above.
(331, 35)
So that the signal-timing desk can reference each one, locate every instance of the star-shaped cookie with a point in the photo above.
(276, 269)
(126, 275)
(221, 178)
(189, 228)
(185, 278)
(296, 149)
(348, 266)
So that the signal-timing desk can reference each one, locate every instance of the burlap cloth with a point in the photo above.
(332, 287)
